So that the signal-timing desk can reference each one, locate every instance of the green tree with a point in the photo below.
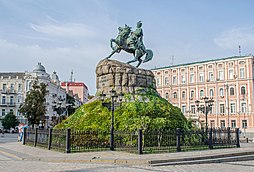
(70, 101)
(10, 121)
(34, 106)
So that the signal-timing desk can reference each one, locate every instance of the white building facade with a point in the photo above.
(15, 86)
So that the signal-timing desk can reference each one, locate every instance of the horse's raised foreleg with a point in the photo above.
(111, 43)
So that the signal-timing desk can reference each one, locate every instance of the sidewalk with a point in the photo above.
(22, 152)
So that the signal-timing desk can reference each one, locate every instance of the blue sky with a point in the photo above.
(68, 35)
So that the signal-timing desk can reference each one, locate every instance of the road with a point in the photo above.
(11, 163)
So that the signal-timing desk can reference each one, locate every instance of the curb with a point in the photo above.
(241, 156)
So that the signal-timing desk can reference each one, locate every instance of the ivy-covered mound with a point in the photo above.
(146, 111)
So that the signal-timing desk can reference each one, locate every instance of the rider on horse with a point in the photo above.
(131, 42)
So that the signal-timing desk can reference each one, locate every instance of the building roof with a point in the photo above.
(205, 61)
(12, 74)
(74, 84)
(39, 68)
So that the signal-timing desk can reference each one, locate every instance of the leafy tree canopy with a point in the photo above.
(147, 111)
(34, 106)
(10, 121)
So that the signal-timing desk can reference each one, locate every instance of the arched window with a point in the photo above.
(211, 93)
(192, 94)
(166, 96)
(183, 95)
(201, 93)
(232, 91)
(221, 92)
(242, 90)
(174, 95)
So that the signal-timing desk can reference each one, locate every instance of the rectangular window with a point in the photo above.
(19, 88)
(211, 78)
(222, 108)
(232, 107)
(212, 123)
(244, 123)
(221, 75)
(231, 73)
(3, 112)
(201, 77)
(191, 78)
(242, 75)
(211, 109)
(19, 99)
(243, 107)
(233, 123)
(158, 82)
(174, 80)
(183, 79)
(193, 109)
(12, 88)
(183, 108)
(222, 123)
(4, 88)
(11, 100)
(166, 81)
(3, 100)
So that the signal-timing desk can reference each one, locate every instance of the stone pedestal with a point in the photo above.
(122, 77)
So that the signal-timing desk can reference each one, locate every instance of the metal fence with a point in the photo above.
(68, 140)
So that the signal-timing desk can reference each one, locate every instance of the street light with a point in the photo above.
(111, 106)
(205, 109)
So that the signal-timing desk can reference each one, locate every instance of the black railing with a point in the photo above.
(157, 141)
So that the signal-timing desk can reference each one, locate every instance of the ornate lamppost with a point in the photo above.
(205, 109)
(111, 106)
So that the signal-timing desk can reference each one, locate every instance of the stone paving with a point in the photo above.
(16, 157)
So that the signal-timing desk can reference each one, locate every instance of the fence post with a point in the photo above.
(36, 137)
(68, 135)
(24, 137)
(140, 136)
(228, 131)
(178, 140)
(210, 139)
(237, 137)
(50, 138)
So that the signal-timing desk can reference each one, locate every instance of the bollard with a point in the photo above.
(237, 137)
(24, 137)
(50, 138)
(210, 141)
(68, 136)
(140, 136)
(36, 137)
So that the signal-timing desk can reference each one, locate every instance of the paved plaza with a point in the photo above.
(16, 157)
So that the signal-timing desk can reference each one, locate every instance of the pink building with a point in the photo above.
(78, 88)
(228, 81)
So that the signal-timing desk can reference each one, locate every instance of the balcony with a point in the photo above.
(7, 104)
(5, 91)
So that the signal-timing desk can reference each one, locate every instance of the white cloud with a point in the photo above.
(231, 39)
(64, 29)
(81, 59)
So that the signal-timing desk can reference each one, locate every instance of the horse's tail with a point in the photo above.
(149, 55)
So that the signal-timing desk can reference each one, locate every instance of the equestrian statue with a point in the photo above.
(131, 42)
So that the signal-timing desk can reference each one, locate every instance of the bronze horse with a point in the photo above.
(125, 41)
